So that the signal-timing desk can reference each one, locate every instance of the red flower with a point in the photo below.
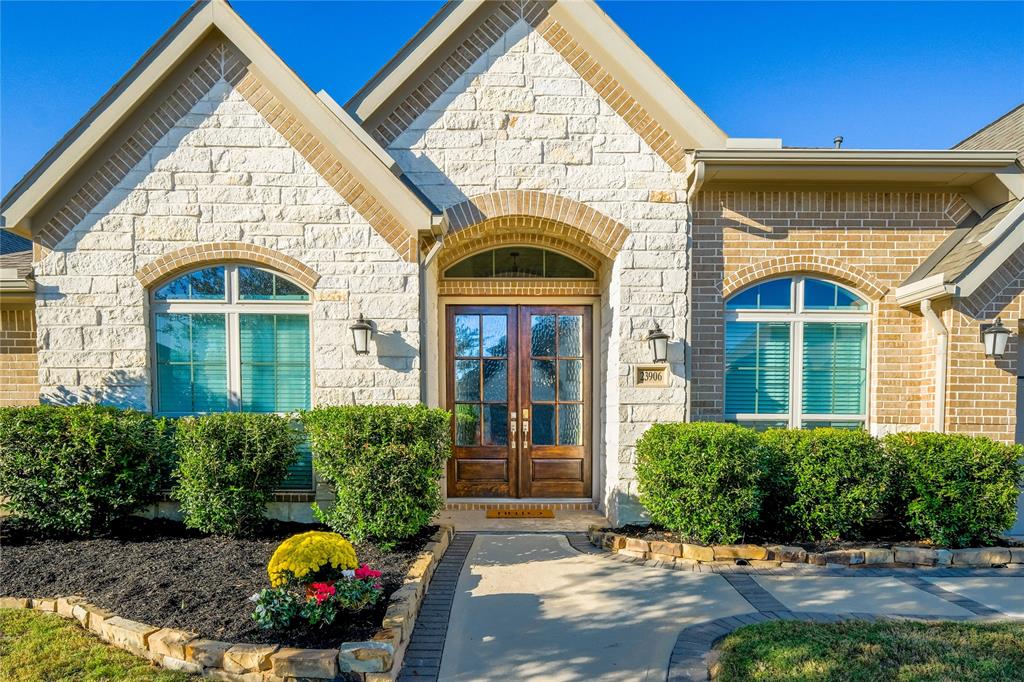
(320, 591)
(364, 572)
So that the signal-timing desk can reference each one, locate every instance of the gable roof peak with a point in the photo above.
(329, 125)
(462, 30)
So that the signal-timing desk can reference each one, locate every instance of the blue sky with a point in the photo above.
(899, 75)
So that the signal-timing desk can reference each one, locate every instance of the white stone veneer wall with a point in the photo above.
(522, 118)
(223, 174)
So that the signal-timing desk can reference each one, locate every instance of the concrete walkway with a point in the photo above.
(531, 607)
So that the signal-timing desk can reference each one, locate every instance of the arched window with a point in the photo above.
(519, 262)
(232, 338)
(796, 354)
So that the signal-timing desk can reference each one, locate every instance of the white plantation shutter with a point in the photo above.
(835, 367)
(757, 356)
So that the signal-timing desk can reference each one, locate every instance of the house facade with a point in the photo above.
(512, 204)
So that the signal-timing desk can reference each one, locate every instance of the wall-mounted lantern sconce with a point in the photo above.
(658, 342)
(995, 336)
(361, 331)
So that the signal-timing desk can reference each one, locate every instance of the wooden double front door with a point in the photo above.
(518, 386)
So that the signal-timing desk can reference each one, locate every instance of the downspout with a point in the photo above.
(941, 355)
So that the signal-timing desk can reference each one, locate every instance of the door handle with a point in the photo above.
(526, 433)
(513, 430)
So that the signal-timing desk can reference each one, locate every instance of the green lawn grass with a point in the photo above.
(38, 646)
(787, 651)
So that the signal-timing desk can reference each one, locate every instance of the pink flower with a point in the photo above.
(364, 572)
(320, 591)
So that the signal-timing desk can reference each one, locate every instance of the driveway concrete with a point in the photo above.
(529, 607)
(1002, 594)
(844, 595)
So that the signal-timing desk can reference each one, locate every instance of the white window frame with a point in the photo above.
(231, 307)
(796, 316)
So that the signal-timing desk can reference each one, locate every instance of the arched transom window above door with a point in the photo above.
(796, 355)
(518, 262)
(233, 338)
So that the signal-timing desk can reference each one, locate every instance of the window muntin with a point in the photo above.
(796, 353)
(519, 262)
(248, 349)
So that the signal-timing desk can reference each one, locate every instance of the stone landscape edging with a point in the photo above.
(776, 556)
(376, 660)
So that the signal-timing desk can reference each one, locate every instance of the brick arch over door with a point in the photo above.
(192, 257)
(788, 265)
(500, 216)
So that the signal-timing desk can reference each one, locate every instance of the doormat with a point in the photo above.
(520, 514)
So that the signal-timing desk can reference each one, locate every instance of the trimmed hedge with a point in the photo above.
(958, 490)
(229, 465)
(702, 480)
(843, 482)
(385, 463)
(76, 469)
(719, 482)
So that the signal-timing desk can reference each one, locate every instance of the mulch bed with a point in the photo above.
(662, 535)
(160, 573)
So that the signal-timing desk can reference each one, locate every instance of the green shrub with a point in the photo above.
(75, 469)
(229, 464)
(958, 490)
(385, 463)
(843, 483)
(778, 485)
(701, 479)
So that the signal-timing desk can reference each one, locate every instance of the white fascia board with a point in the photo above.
(386, 82)
(334, 130)
(997, 160)
(613, 49)
(66, 156)
(11, 282)
(929, 288)
(1011, 228)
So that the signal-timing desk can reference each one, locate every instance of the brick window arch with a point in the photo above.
(194, 257)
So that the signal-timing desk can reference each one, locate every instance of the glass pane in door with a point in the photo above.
(556, 379)
(481, 380)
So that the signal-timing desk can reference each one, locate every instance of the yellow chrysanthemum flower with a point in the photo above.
(309, 552)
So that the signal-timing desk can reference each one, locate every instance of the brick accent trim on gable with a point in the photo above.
(490, 29)
(225, 62)
(220, 63)
(803, 263)
(328, 166)
(543, 219)
(192, 257)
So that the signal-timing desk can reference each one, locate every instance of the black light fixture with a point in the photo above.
(361, 331)
(658, 342)
(995, 336)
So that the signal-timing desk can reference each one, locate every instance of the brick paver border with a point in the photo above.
(422, 660)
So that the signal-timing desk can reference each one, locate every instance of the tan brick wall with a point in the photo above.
(982, 392)
(866, 240)
(18, 366)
